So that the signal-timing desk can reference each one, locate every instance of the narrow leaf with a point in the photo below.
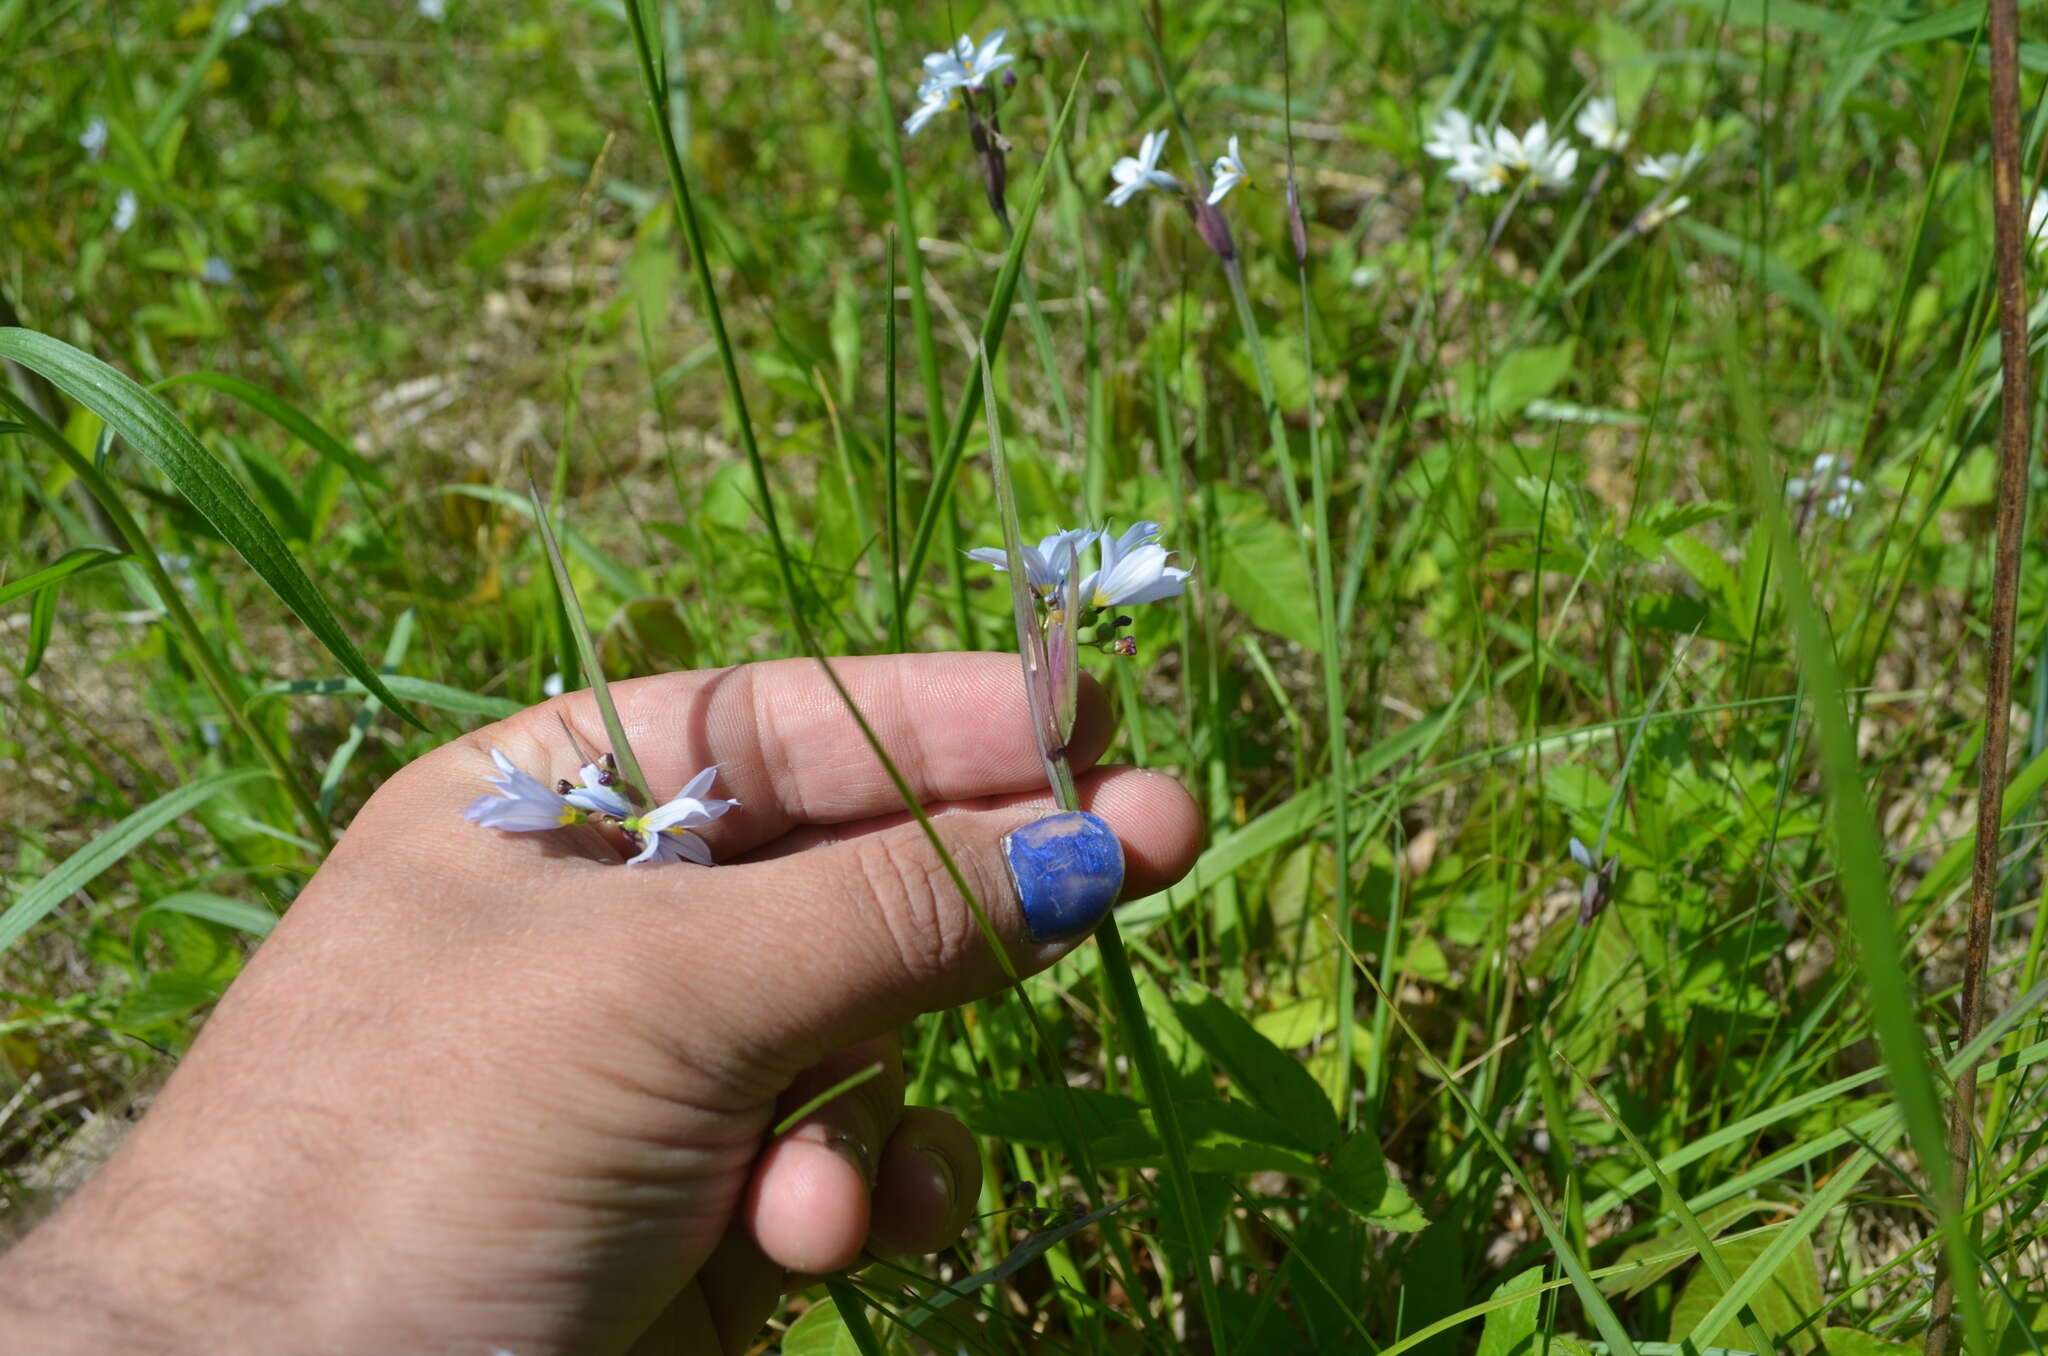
(82, 867)
(152, 428)
(287, 416)
(75, 561)
(438, 695)
(614, 728)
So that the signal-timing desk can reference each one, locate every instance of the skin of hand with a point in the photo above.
(486, 1092)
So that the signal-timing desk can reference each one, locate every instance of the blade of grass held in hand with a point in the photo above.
(152, 428)
(614, 728)
(1042, 682)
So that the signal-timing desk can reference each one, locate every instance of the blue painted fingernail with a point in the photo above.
(1068, 869)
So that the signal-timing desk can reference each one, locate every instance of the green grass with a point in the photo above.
(1486, 503)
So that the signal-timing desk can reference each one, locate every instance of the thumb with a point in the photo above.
(876, 929)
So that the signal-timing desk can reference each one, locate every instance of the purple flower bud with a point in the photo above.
(1127, 646)
(1214, 229)
(1295, 225)
(1009, 78)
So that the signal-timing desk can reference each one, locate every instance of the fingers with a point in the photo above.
(857, 937)
(927, 1183)
(807, 1205)
(785, 745)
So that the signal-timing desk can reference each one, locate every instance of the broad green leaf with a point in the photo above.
(151, 427)
(287, 416)
(1259, 563)
(1512, 1331)
(1850, 1342)
(1525, 375)
(1269, 1077)
(165, 997)
(1783, 1304)
(82, 867)
(438, 695)
(1358, 1178)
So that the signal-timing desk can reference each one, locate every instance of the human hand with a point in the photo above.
(483, 1091)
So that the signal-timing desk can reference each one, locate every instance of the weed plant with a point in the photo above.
(1582, 672)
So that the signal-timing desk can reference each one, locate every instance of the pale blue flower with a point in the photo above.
(1671, 168)
(1136, 173)
(1600, 124)
(967, 66)
(668, 832)
(1046, 564)
(1451, 136)
(935, 97)
(94, 138)
(433, 11)
(523, 803)
(124, 211)
(1831, 479)
(1228, 173)
(1134, 570)
(597, 794)
(217, 271)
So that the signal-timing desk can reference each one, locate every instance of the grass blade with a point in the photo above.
(614, 728)
(84, 866)
(153, 429)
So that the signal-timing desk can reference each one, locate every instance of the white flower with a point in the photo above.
(1046, 564)
(966, 66)
(1546, 159)
(1671, 167)
(523, 804)
(239, 25)
(94, 138)
(124, 211)
(1479, 169)
(1598, 123)
(433, 11)
(1450, 136)
(935, 97)
(552, 685)
(1228, 173)
(668, 832)
(1134, 570)
(2037, 219)
(1136, 173)
(1841, 488)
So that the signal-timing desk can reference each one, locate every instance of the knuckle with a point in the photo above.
(922, 916)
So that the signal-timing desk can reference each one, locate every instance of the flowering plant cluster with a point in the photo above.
(1830, 482)
(1486, 160)
(1133, 570)
(667, 833)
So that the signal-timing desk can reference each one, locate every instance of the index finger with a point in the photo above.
(956, 726)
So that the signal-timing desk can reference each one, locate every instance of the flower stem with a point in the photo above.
(1180, 1173)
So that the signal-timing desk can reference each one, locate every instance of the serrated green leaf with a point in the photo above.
(1512, 1331)
(1358, 1178)
(152, 428)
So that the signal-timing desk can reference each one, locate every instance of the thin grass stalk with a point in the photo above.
(899, 636)
(220, 680)
(920, 304)
(2008, 217)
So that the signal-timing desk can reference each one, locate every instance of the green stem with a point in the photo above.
(1130, 1013)
(223, 683)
